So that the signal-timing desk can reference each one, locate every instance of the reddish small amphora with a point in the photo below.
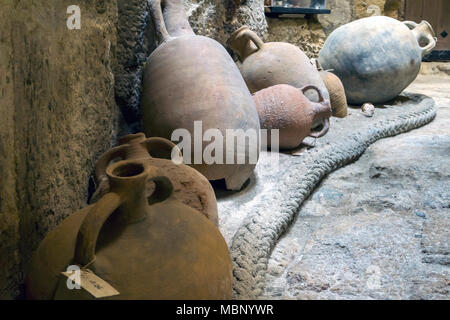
(286, 108)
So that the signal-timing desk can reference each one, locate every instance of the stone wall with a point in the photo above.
(134, 33)
(9, 216)
(218, 18)
(57, 115)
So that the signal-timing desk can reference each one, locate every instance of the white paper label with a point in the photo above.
(92, 283)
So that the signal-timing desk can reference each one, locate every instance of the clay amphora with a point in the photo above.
(286, 108)
(192, 78)
(166, 250)
(268, 64)
(335, 88)
(190, 186)
(376, 58)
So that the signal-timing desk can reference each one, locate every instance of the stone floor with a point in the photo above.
(380, 227)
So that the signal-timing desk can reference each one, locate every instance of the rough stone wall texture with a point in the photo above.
(377, 228)
(58, 115)
(9, 219)
(367, 8)
(218, 18)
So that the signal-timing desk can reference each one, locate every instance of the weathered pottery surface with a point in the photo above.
(368, 109)
(193, 78)
(376, 58)
(190, 186)
(287, 109)
(166, 250)
(279, 187)
(268, 64)
(379, 227)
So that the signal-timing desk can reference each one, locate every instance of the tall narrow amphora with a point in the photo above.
(192, 84)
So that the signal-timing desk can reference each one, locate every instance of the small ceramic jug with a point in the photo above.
(143, 247)
(286, 108)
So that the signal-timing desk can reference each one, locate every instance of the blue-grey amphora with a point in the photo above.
(376, 58)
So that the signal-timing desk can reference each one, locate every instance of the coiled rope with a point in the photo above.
(257, 235)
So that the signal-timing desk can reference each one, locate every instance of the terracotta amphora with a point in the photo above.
(192, 84)
(165, 250)
(190, 186)
(336, 90)
(268, 64)
(376, 58)
(287, 109)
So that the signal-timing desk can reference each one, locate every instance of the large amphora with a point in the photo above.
(376, 58)
(192, 84)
